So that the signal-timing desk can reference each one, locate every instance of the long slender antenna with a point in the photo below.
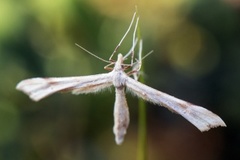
(92, 54)
(147, 54)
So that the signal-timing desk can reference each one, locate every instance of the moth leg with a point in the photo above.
(108, 68)
(124, 36)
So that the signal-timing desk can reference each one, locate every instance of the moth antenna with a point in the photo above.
(87, 51)
(147, 54)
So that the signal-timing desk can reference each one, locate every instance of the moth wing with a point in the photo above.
(200, 117)
(39, 88)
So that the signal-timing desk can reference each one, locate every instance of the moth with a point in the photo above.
(39, 88)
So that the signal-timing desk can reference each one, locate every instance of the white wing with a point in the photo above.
(200, 117)
(38, 88)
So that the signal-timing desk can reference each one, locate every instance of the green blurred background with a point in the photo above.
(196, 57)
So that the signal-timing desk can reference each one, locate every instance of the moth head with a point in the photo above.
(120, 58)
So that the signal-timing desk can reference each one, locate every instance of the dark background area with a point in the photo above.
(196, 57)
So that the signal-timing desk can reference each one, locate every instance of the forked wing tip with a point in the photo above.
(207, 125)
(21, 86)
